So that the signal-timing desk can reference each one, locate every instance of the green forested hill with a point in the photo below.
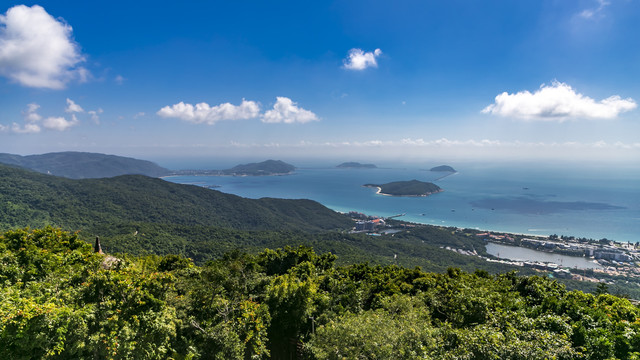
(32, 199)
(137, 213)
(83, 165)
(60, 300)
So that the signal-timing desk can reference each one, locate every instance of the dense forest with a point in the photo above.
(62, 300)
(32, 199)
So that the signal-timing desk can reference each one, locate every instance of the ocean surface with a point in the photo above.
(594, 203)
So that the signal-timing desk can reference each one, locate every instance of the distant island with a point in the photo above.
(443, 168)
(265, 168)
(84, 165)
(356, 165)
(407, 188)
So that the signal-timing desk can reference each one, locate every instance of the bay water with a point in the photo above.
(596, 202)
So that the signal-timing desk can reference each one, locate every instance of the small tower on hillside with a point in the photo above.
(97, 248)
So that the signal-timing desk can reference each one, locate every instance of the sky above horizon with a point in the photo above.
(350, 80)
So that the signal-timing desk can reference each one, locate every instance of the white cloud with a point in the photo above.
(592, 13)
(139, 115)
(26, 129)
(360, 60)
(73, 107)
(203, 113)
(95, 115)
(470, 145)
(59, 123)
(31, 115)
(287, 111)
(119, 79)
(37, 50)
(34, 122)
(557, 102)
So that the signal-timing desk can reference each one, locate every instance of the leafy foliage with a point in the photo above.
(61, 300)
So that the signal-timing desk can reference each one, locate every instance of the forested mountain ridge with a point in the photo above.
(84, 165)
(31, 199)
(138, 213)
(61, 300)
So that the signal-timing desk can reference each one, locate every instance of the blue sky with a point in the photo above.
(352, 80)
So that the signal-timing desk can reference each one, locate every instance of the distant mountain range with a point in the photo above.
(356, 165)
(84, 165)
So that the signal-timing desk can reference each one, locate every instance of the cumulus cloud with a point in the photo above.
(202, 113)
(357, 59)
(287, 111)
(72, 107)
(557, 102)
(26, 129)
(36, 50)
(34, 122)
(59, 123)
(31, 115)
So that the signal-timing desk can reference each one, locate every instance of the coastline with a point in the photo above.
(335, 189)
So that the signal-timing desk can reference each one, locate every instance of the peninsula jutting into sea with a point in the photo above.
(265, 168)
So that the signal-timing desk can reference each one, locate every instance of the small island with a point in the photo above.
(443, 168)
(406, 188)
(356, 165)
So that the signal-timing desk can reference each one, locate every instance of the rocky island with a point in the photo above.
(356, 165)
(407, 188)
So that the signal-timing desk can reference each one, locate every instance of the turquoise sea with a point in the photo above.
(594, 202)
